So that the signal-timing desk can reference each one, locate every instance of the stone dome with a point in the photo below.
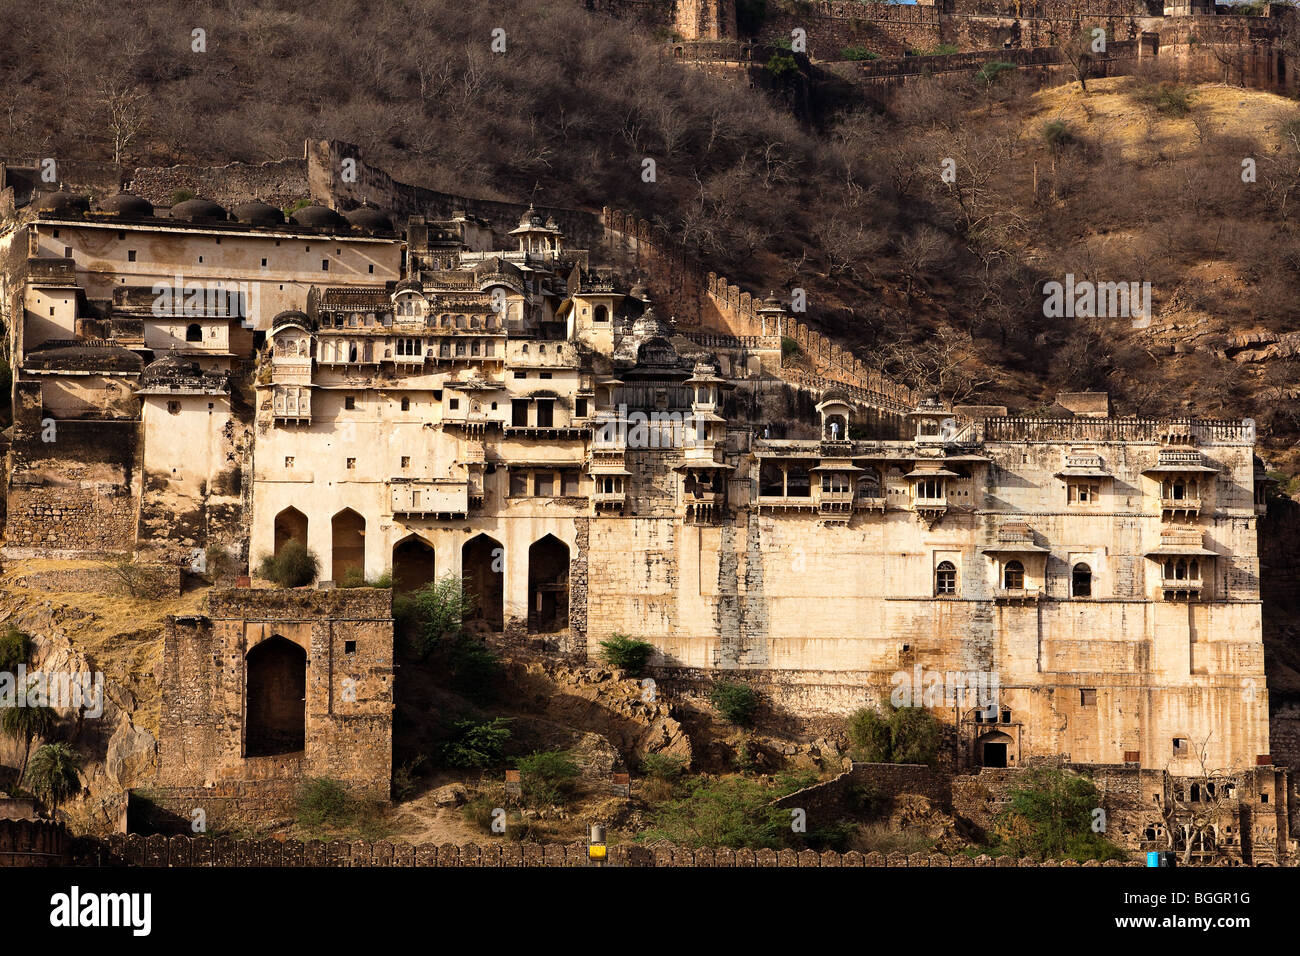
(369, 219)
(127, 206)
(319, 217)
(198, 209)
(411, 283)
(62, 202)
(257, 214)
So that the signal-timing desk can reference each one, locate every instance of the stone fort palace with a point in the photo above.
(535, 402)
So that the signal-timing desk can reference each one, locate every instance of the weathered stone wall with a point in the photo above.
(374, 186)
(280, 183)
(75, 494)
(829, 800)
(348, 639)
(33, 843)
(181, 851)
(1132, 799)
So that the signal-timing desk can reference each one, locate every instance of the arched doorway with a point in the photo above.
(994, 749)
(275, 709)
(349, 550)
(290, 525)
(548, 585)
(482, 562)
(413, 564)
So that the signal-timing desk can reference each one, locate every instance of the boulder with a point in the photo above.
(452, 795)
(132, 756)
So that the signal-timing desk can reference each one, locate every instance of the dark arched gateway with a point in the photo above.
(275, 720)
(482, 562)
(548, 585)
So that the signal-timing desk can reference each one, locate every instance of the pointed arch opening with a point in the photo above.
(482, 562)
(290, 525)
(275, 706)
(548, 585)
(413, 564)
(348, 531)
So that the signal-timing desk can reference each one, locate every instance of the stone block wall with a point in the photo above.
(180, 851)
(33, 843)
(280, 183)
(76, 494)
(347, 636)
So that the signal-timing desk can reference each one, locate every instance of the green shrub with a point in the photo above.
(1168, 99)
(434, 612)
(324, 802)
(789, 347)
(869, 736)
(293, 566)
(662, 766)
(901, 735)
(993, 71)
(780, 64)
(15, 648)
(858, 53)
(1049, 815)
(736, 702)
(626, 654)
(355, 578)
(915, 736)
(476, 744)
(182, 195)
(547, 778)
(1057, 133)
(733, 812)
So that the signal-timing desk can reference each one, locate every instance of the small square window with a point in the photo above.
(324, 265)
(406, 461)
(200, 258)
(453, 403)
(350, 402)
(406, 404)
(352, 463)
(130, 255)
(371, 268)
(1088, 696)
(174, 408)
(288, 461)
(263, 263)
(544, 375)
(1263, 798)
(349, 647)
(521, 374)
(1180, 747)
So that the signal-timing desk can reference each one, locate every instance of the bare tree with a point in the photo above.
(127, 109)
(940, 363)
(1076, 48)
(1194, 810)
